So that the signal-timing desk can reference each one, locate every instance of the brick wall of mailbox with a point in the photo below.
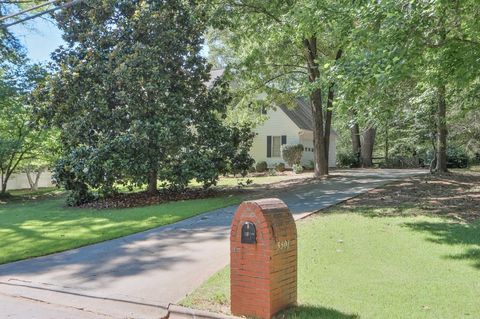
(263, 258)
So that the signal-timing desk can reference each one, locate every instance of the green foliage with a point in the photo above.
(347, 160)
(457, 158)
(297, 168)
(22, 131)
(310, 165)
(406, 60)
(292, 154)
(261, 167)
(132, 103)
(280, 167)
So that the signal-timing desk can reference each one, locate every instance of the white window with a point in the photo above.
(276, 143)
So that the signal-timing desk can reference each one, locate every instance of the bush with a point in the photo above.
(457, 158)
(398, 161)
(261, 167)
(241, 163)
(310, 166)
(297, 168)
(348, 160)
(292, 154)
(280, 167)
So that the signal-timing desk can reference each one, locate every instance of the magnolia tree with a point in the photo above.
(130, 98)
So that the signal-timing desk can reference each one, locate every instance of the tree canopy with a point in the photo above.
(130, 97)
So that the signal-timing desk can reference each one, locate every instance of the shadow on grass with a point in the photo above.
(450, 233)
(314, 312)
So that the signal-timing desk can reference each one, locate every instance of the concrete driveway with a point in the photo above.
(139, 275)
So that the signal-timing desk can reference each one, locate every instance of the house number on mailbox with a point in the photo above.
(249, 233)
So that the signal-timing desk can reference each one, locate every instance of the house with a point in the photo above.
(284, 126)
(288, 126)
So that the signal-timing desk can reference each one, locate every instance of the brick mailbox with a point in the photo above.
(263, 258)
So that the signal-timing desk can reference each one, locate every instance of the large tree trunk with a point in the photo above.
(441, 131)
(386, 144)
(4, 181)
(33, 182)
(356, 145)
(328, 121)
(367, 147)
(329, 112)
(355, 133)
(321, 164)
(152, 181)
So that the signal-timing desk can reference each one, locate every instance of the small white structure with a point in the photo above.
(288, 126)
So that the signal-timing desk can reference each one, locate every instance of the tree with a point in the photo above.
(433, 44)
(287, 49)
(20, 123)
(130, 98)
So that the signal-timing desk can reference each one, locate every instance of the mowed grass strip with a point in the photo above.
(36, 227)
(356, 266)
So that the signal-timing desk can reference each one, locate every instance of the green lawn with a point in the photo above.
(354, 265)
(36, 227)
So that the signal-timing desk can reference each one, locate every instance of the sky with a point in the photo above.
(40, 38)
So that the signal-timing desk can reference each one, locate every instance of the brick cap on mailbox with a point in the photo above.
(263, 272)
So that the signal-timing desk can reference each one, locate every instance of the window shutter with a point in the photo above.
(269, 146)
(284, 139)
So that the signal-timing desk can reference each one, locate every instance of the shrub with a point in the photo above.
(457, 158)
(292, 154)
(348, 160)
(261, 167)
(297, 168)
(310, 166)
(280, 167)
(398, 161)
(272, 172)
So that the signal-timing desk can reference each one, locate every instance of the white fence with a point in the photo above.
(20, 181)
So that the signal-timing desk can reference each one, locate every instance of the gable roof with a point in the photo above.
(214, 75)
(301, 115)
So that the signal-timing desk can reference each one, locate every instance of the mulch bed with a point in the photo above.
(138, 199)
(454, 195)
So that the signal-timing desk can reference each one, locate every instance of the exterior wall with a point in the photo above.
(277, 124)
(306, 139)
(20, 181)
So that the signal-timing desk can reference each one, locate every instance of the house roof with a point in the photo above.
(214, 75)
(301, 115)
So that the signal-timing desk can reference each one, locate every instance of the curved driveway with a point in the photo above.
(138, 275)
